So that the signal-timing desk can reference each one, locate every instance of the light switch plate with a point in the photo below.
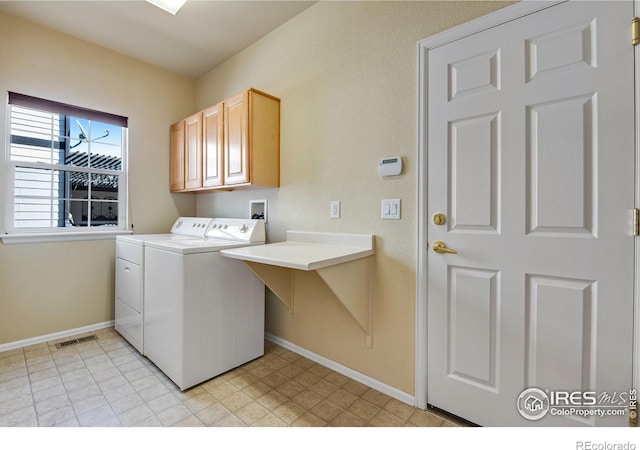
(335, 209)
(391, 209)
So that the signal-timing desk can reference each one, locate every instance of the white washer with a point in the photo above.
(204, 314)
(129, 310)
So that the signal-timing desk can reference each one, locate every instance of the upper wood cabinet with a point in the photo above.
(252, 139)
(236, 145)
(212, 146)
(193, 151)
(176, 158)
(233, 144)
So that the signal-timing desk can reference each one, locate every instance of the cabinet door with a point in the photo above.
(176, 158)
(212, 144)
(236, 148)
(193, 151)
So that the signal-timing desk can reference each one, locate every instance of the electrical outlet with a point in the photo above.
(391, 209)
(335, 209)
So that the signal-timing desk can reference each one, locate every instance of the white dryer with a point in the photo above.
(204, 314)
(129, 309)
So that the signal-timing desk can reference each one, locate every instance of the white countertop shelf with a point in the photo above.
(341, 260)
(307, 251)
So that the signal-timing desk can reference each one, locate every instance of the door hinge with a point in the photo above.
(635, 31)
(636, 222)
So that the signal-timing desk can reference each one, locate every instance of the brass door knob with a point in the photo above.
(439, 219)
(441, 247)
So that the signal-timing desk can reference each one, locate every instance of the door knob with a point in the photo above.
(441, 247)
(439, 219)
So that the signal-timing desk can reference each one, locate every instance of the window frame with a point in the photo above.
(13, 234)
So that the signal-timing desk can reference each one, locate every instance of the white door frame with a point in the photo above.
(483, 23)
(636, 293)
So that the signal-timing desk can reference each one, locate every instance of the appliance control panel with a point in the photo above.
(191, 226)
(245, 230)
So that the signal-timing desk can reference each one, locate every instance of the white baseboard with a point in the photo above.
(354, 375)
(54, 336)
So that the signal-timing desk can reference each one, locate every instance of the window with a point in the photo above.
(66, 168)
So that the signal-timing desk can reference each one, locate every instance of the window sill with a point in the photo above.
(32, 238)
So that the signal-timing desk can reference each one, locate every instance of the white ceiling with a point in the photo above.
(202, 35)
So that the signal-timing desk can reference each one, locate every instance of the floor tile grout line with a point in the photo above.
(33, 399)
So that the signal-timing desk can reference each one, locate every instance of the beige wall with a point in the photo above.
(346, 74)
(47, 288)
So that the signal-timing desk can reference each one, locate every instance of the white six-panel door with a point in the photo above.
(530, 141)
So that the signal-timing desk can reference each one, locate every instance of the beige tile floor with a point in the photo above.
(105, 382)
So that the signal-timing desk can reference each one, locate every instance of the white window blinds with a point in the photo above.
(67, 166)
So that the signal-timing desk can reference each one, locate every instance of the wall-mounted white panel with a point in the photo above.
(474, 297)
(474, 175)
(476, 74)
(562, 151)
(561, 50)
